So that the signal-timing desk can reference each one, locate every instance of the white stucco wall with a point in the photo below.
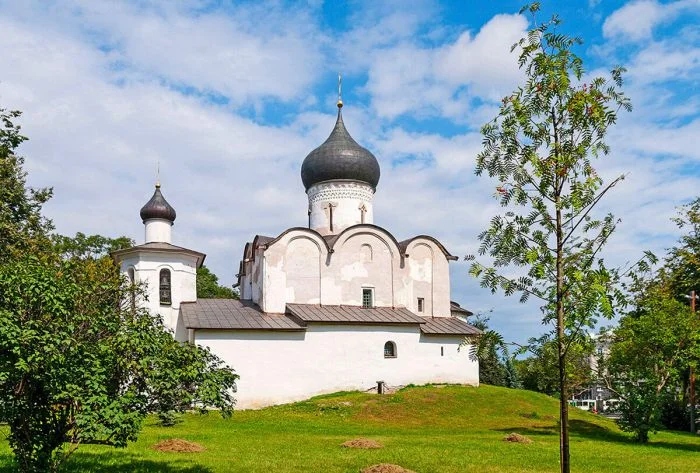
(279, 367)
(427, 274)
(183, 274)
(347, 199)
(158, 230)
(297, 268)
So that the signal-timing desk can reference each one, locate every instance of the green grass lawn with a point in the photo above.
(426, 429)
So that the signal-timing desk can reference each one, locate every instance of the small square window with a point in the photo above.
(421, 304)
(367, 301)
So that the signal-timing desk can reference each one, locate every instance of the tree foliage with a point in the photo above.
(541, 148)
(657, 343)
(89, 246)
(540, 371)
(208, 286)
(22, 227)
(489, 349)
(651, 349)
(682, 264)
(78, 363)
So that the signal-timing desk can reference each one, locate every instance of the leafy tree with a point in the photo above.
(541, 148)
(682, 265)
(540, 372)
(208, 286)
(488, 349)
(89, 246)
(682, 273)
(22, 227)
(651, 348)
(78, 363)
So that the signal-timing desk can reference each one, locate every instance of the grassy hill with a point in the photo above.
(426, 429)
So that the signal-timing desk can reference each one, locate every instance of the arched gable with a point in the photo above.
(406, 245)
(291, 268)
(374, 230)
(299, 232)
(362, 267)
(428, 273)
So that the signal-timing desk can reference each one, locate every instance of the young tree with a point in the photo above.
(651, 349)
(540, 147)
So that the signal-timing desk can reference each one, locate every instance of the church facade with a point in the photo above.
(338, 304)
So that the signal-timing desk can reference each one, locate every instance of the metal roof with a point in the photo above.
(455, 308)
(447, 326)
(342, 314)
(233, 314)
(340, 157)
(158, 207)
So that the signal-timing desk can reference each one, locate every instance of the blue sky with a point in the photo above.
(230, 97)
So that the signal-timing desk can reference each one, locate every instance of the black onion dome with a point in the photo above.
(158, 207)
(340, 157)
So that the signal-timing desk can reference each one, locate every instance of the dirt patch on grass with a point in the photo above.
(178, 445)
(361, 443)
(386, 468)
(517, 438)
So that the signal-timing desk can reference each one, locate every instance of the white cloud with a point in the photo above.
(430, 81)
(636, 20)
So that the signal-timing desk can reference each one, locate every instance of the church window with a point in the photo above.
(367, 298)
(165, 293)
(390, 350)
(421, 304)
(363, 211)
(442, 351)
(132, 288)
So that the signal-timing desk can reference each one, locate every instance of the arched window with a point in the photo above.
(165, 293)
(132, 288)
(390, 350)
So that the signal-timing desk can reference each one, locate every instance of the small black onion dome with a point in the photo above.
(340, 157)
(158, 207)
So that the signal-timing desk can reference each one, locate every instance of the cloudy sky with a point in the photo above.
(230, 97)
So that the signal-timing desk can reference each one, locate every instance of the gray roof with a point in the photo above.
(233, 314)
(340, 158)
(342, 314)
(455, 308)
(158, 207)
(447, 326)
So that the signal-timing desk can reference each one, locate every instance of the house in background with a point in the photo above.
(337, 304)
(596, 395)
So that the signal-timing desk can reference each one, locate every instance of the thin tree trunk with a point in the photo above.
(564, 458)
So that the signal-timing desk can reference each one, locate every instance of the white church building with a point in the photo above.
(338, 304)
